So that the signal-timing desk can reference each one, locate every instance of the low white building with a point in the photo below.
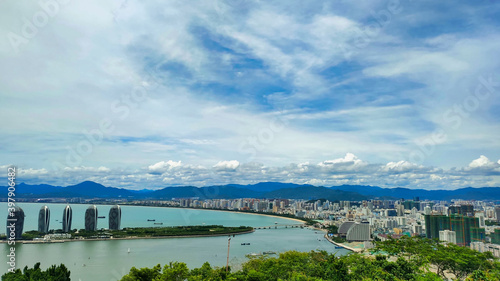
(448, 236)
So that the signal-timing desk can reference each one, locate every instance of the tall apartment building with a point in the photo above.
(67, 219)
(91, 218)
(467, 228)
(44, 219)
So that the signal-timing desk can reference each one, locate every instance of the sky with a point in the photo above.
(149, 94)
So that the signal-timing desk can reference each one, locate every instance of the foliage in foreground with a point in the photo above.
(53, 273)
(404, 259)
(413, 259)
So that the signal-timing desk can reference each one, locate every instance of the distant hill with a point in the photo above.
(315, 192)
(89, 189)
(468, 193)
(210, 192)
(267, 186)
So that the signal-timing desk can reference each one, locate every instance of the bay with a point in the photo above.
(110, 260)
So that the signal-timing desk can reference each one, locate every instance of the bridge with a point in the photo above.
(276, 226)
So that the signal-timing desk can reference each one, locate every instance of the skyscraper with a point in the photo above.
(115, 217)
(15, 222)
(466, 228)
(67, 218)
(44, 219)
(91, 218)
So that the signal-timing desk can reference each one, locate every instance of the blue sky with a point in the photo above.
(146, 95)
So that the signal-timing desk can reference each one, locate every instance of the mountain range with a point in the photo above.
(89, 189)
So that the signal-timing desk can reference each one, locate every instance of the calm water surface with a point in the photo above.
(110, 260)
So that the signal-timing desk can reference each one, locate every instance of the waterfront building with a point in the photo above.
(359, 232)
(91, 218)
(44, 219)
(67, 219)
(344, 227)
(15, 221)
(115, 217)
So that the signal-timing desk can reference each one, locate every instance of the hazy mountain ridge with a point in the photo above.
(89, 189)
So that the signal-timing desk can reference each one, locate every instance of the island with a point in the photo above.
(132, 233)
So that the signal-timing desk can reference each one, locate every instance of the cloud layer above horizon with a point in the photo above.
(146, 95)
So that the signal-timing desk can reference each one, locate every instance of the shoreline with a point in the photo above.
(128, 238)
(343, 246)
(216, 210)
(187, 208)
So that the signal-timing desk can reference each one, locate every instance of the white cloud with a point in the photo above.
(482, 161)
(400, 166)
(349, 158)
(163, 166)
(347, 170)
(227, 165)
(87, 169)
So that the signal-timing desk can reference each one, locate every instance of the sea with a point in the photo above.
(111, 259)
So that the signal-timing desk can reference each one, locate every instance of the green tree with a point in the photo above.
(53, 273)
(143, 274)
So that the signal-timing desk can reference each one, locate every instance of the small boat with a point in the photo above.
(245, 243)
(101, 217)
(338, 247)
(158, 223)
(151, 220)
(128, 251)
(269, 253)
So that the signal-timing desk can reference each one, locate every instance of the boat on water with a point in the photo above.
(269, 253)
(151, 220)
(101, 217)
(158, 223)
(338, 247)
(128, 251)
(245, 243)
(253, 254)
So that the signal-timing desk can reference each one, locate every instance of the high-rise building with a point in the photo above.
(44, 219)
(466, 228)
(462, 209)
(67, 219)
(497, 212)
(15, 222)
(91, 218)
(400, 210)
(115, 217)
(408, 205)
(495, 236)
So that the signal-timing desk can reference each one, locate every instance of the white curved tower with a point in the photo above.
(44, 219)
(91, 218)
(67, 219)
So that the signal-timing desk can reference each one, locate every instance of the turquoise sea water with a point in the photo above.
(109, 260)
